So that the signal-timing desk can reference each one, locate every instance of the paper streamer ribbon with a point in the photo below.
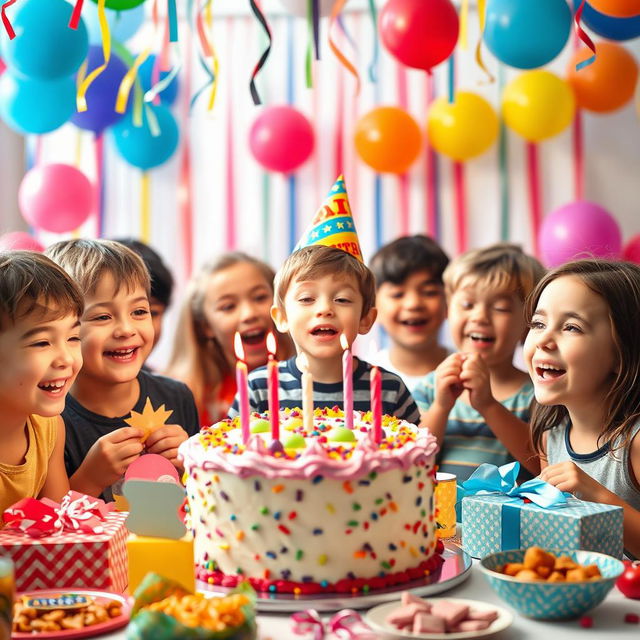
(585, 38)
(162, 64)
(206, 53)
(5, 19)
(451, 78)
(129, 79)
(338, 149)
(265, 54)
(172, 16)
(482, 8)
(535, 199)
(463, 39)
(503, 151)
(377, 210)
(460, 199)
(373, 65)
(337, 8)
(345, 625)
(75, 14)
(432, 170)
(81, 97)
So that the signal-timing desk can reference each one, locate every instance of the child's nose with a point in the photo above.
(124, 327)
(411, 300)
(324, 307)
(479, 313)
(248, 311)
(65, 357)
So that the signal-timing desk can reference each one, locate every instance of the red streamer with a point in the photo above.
(339, 137)
(535, 196)
(431, 173)
(403, 179)
(460, 200)
(5, 19)
(585, 38)
(75, 15)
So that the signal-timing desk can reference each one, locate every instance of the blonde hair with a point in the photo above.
(501, 266)
(318, 260)
(86, 261)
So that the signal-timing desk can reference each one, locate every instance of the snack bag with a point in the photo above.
(163, 610)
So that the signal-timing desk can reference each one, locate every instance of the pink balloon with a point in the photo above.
(419, 33)
(15, 240)
(56, 197)
(281, 139)
(632, 250)
(579, 229)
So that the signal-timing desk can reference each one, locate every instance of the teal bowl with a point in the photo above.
(551, 600)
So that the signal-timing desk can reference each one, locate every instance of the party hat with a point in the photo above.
(333, 225)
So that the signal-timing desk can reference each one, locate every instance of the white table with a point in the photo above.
(608, 618)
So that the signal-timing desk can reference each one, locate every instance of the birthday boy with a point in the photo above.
(321, 293)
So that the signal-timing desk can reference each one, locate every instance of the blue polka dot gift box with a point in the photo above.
(498, 515)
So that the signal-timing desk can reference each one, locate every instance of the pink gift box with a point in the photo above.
(70, 559)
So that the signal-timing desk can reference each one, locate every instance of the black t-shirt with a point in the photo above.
(84, 427)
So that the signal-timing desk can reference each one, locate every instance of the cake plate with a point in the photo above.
(455, 569)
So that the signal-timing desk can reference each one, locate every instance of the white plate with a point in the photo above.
(376, 619)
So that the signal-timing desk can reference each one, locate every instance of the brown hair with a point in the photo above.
(501, 265)
(319, 260)
(618, 283)
(31, 282)
(86, 261)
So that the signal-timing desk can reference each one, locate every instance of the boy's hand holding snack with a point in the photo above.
(448, 381)
(165, 442)
(476, 379)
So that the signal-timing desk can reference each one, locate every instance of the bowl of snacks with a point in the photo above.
(551, 585)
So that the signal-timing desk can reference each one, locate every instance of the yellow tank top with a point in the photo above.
(26, 480)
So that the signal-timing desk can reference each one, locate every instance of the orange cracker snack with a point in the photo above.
(149, 420)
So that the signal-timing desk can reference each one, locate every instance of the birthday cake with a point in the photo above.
(332, 510)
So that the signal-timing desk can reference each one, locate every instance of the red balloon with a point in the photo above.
(631, 251)
(419, 33)
(19, 240)
(281, 139)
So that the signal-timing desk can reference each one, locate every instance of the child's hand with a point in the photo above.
(448, 382)
(567, 476)
(165, 442)
(475, 378)
(110, 455)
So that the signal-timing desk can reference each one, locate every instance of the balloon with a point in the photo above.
(15, 240)
(617, 8)
(56, 197)
(463, 129)
(122, 24)
(388, 139)
(631, 251)
(527, 34)
(299, 7)
(538, 105)
(121, 5)
(281, 139)
(419, 33)
(139, 147)
(36, 106)
(579, 229)
(45, 47)
(101, 95)
(610, 27)
(145, 73)
(608, 83)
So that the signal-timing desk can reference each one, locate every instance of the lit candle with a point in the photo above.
(347, 382)
(307, 393)
(272, 386)
(376, 403)
(243, 388)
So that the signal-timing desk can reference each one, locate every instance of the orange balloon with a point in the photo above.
(388, 139)
(606, 84)
(617, 8)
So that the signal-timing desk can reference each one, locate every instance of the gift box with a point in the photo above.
(50, 555)
(500, 515)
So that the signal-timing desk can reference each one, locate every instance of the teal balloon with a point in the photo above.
(122, 24)
(527, 33)
(36, 106)
(45, 47)
(139, 147)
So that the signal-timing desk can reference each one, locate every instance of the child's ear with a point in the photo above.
(280, 319)
(366, 322)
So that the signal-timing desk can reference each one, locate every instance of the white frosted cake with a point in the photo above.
(332, 511)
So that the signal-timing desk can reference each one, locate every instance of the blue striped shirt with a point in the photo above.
(468, 440)
(396, 399)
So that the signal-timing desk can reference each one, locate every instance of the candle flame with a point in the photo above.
(271, 343)
(303, 361)
(344, 343)
(237, 346)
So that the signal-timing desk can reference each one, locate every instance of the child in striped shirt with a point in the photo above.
(320, 293)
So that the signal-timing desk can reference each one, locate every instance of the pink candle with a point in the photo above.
(272, 386)
(307, 393)
(376, 403)
(243, 388)
(347, 382)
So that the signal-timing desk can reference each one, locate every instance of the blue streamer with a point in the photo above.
(173, 20)
(378, 210)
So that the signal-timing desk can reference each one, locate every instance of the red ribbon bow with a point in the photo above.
(346, 625)
(39, 518)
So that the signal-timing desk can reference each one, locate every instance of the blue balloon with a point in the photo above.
(45, 47)
(139, 147)
(167, 95)
(102, 93)
(36, 106)
(611, 27)
(122, 24)
(527, 33)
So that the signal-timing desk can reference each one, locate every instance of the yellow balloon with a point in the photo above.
(464, 128)
(538, 105)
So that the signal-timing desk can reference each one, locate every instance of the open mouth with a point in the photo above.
(324, 331)
(549, 372)
(123, 355)
(414, 322)
(253, 337)
(481, 338)
(54, 387)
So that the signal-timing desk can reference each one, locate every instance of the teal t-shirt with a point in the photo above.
(468, 441)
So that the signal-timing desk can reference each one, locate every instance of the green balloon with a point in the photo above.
(121, 5)
(341, 434)
(260, 426)
(295, 441)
